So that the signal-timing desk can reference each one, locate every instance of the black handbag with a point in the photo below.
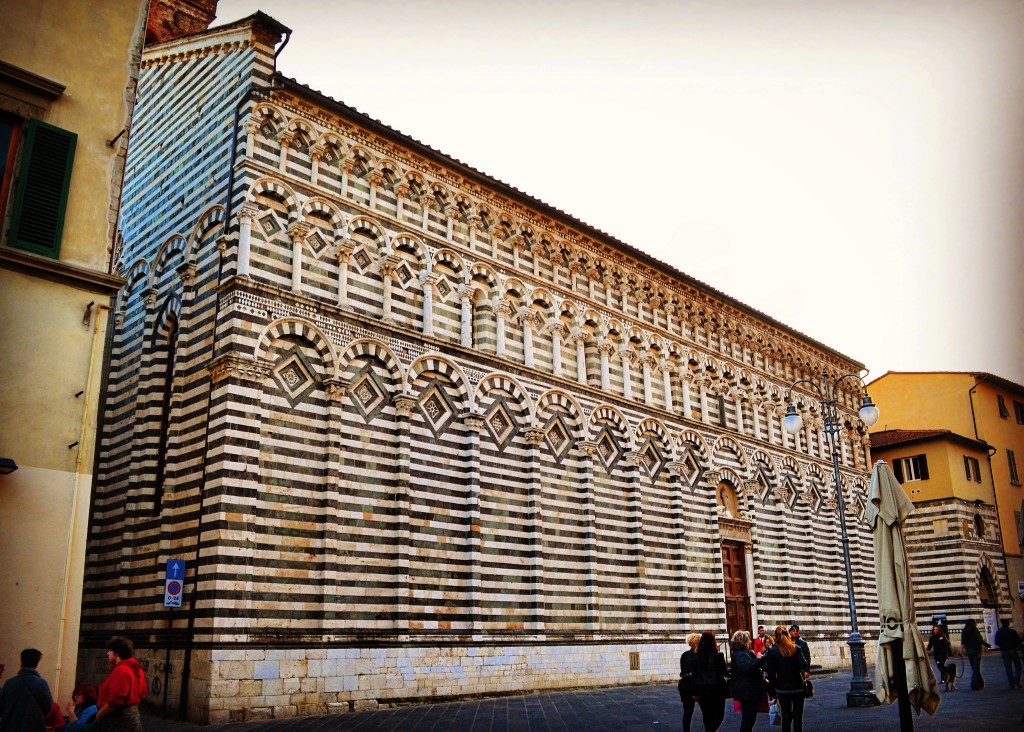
(808, 689)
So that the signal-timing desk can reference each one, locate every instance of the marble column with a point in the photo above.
(245, 217)
(297, 231)
(343, 251)
(428, 279)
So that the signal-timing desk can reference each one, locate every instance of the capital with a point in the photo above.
(344, 248)
(336, 389)
(243, 368)
(297, 231)
(404, 404)
(187, 273)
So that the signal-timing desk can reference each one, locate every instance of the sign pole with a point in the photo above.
(167, 656)
(174, 588)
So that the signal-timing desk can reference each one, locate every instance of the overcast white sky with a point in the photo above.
(853, 169)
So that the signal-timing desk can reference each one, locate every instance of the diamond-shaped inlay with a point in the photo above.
(269, 225)
(368, 394)
(607, 450)
(443, 288)
(361, 259)
(317, 243)
(558, 439)
(436, 410)
(500, 424)
(294, 376)
(403, 274)
(689, 469)
(651, 460)
(814, 498)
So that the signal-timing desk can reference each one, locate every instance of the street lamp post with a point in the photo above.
(826, 392)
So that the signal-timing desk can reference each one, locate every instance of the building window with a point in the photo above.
(1018, 411)
(1003, 411)
(972, 468)
(910, 468)
(979, 526)
(40, 191)
(1011, 460)
(9, 127)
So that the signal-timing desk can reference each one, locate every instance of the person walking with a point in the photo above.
(687, 673)
(940, 648)
(122, 690)
(1009, 648)
(787, 670)
(25, 699)
(747, 679)
(973, 643)
(712, 681)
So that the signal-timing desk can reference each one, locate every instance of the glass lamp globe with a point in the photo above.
(868, 411)
(792, 422)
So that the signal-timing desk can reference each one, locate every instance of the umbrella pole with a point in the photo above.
(903, 694)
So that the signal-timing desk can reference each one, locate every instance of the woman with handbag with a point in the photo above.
(687, 669)
(747, 679)
(711, 681)
(787, 672)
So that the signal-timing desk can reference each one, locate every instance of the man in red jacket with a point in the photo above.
(123, 689)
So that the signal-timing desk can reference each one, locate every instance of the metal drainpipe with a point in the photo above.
(186, 666)
(991, 451)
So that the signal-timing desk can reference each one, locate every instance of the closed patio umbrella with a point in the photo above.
(902, 669)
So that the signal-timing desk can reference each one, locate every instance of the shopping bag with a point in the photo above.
(774, 715)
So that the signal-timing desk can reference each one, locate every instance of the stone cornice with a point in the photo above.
(60, 272)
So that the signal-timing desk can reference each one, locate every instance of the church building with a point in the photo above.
(418, 435)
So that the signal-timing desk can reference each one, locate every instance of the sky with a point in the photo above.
(854, 170)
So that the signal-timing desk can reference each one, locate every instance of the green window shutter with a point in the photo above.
(41, 197)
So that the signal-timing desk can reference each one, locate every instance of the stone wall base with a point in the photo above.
(254, 684)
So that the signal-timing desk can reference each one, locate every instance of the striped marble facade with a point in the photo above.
(952, 560)
(387, 407)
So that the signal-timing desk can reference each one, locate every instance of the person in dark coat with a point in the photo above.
(787, 670)
(687, 671)
(1009, 647)
(973, 644)
(801, 644)
(940, 648)
(25, 699)
(747, 679)
(712, 681)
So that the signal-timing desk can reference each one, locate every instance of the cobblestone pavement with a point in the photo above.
(654, 707)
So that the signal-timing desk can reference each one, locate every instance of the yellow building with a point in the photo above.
(957, 437)
(67, 88)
